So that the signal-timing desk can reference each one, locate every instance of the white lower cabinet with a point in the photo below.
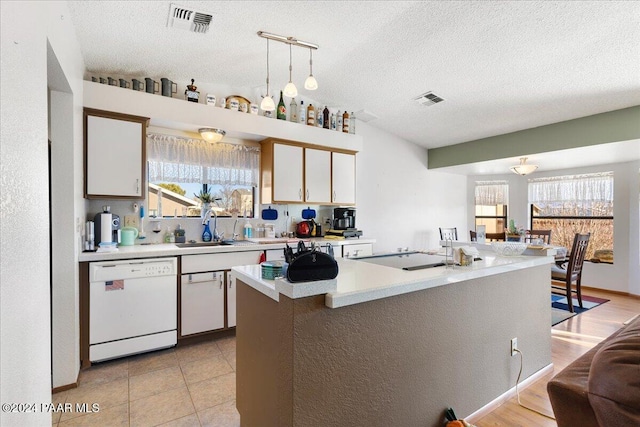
(231, 301)
(207, 295)
(202, 302)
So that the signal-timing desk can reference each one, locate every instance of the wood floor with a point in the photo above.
(569, 340)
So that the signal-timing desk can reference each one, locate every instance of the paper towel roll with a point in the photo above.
(106, 228)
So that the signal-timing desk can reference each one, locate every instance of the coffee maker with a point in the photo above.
(107, 226)
(344, 218)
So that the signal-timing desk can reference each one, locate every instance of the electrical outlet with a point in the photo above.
(514, 346)
(132, 221)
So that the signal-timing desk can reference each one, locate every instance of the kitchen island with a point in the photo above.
(382, 346)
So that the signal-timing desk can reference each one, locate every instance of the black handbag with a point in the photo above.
(308, 265)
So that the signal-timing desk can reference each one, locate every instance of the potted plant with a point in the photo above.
(514, 233)
(206, 198)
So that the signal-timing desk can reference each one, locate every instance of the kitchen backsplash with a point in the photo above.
(193, 226)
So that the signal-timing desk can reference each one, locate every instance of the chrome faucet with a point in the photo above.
(207, 216)
(233, 237)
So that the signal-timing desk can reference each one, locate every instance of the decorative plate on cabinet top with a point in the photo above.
(240, 99)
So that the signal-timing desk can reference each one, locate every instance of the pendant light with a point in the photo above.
(522, 168)
(311, 83)
(290, 89)
(267, 103)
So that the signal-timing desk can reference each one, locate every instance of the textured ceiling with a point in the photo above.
(500, 66)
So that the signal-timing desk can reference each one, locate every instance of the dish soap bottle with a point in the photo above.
(248, 230)
(206, 234)
(169, 237)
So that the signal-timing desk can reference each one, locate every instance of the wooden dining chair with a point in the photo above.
(449, 233)
(573, 271)
(490, 237)
(533, 235)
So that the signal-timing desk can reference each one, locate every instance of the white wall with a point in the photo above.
(399, 202)
(624, 274)
(25, 302)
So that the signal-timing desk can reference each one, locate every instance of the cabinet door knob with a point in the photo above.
(334, 195)
(300, 194)
(137, 186)
(307, 194)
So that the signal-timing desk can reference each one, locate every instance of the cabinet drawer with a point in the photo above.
(359, 249)
(220, 261)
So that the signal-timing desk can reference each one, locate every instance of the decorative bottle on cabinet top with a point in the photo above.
(302, 113)
(293, 111)
(311, 115)
(281, 110)
(345, 122)
(325, 118)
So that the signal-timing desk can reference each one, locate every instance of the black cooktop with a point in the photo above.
(406, 260)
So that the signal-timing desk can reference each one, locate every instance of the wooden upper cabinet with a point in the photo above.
(297, 173)
(287, 173)
(114, 155)
(317, 176)
(343, 178)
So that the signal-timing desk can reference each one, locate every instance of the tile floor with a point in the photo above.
(193, 385)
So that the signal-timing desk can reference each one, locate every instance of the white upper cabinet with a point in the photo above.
(343, 179)
(317, 176)
(287, 173)
(114, 155)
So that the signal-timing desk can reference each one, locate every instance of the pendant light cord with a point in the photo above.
(267, 67)
(290, 63)
(311, 62)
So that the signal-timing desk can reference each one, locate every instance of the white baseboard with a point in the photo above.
(491, 406)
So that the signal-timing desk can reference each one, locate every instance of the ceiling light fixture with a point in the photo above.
(212, 135)
(311, 83)
(290, 89)
(267, 103)
(523, 168)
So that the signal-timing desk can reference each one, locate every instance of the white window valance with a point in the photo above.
(491, 193)
(572, 188)
(187, 160)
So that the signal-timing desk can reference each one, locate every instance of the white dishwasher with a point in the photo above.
(132, 307)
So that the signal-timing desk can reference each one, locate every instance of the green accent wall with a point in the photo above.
(614, 126)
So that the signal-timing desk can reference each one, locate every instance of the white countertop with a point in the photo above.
(170, 249)
(359, 281)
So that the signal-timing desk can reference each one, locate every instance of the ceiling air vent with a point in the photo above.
(428, 99)
(188, 19)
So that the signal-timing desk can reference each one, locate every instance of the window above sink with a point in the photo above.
(181, 169)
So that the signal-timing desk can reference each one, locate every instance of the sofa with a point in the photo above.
(602, 387)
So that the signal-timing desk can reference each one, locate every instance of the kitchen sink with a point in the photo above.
(218, 243)
(200, 244)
